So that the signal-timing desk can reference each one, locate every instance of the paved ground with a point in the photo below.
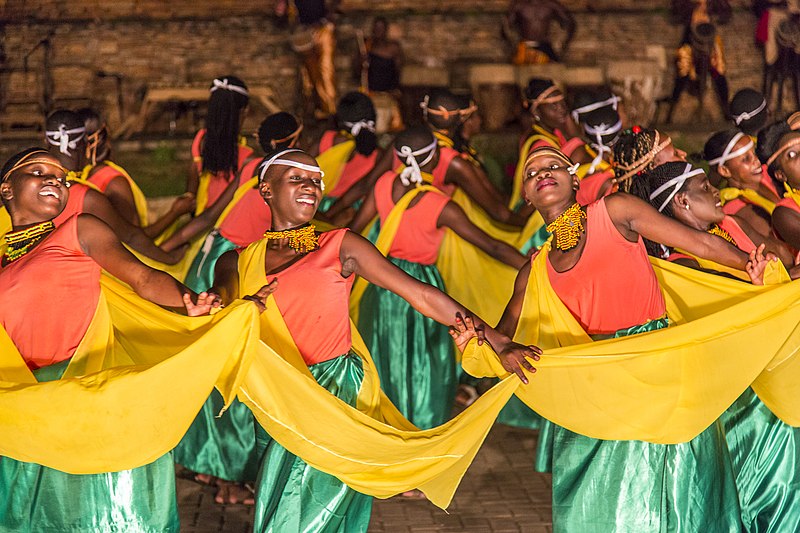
(500, 493)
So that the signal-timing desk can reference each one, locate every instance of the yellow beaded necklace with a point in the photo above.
(302, 240)
(719, 232)
(20, 242)
(568, 227)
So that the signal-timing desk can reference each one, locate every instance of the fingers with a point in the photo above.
(519, 372)
(268, 289)
(258, 301)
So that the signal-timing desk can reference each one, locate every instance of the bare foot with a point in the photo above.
(205, 479)
(414, 494)
(234, 493)
(466, 395)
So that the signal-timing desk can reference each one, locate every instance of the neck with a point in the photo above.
(21, 223)
(283, 225)
(550, 213)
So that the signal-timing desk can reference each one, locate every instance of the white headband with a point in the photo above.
(356, 127)
(599, 131)
(676, 182)
(275, 160)
(62, 138)
(412, 173)
(747, 115)
(225, 85)
(727, 155)
(613, 102)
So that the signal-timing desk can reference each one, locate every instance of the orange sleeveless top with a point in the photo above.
(314, 300)
(103, 176)
(743, 242)
(418, 238)
(612, 286)
(250, 217)
(77, 194)
(49, 297)
(356, 168)
(218, 182)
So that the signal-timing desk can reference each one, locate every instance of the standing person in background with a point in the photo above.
(530, 20)
(314, 39)
(377, 67)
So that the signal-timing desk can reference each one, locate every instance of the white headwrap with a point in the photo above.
(63, 138)
(276, 160)
(225, 85)
(747, 115)
(599, 131)
(588, 108)
(356, 127)
(676, 183)
(412, 173)
(727, 155)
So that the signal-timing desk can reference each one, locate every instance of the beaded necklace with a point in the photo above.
(302, 240)
(20, 242)
(568, 227)
(719, 232)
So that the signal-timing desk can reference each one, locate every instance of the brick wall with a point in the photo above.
(188, 42)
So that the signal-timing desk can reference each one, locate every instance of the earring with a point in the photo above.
(686, 206)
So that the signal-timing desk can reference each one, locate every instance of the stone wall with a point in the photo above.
(188, 42)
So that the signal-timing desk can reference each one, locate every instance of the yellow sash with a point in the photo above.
(664, 386)
(373, 449)
(139, 199)
(332, 162)
(130, 392)
(731, 193)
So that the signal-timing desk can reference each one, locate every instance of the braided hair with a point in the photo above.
(632, 145)
(355, 107)
(769, 139)
(220, 150)
(277, 127)
(644, 186)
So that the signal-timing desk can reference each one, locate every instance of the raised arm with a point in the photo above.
(510, 319)
(98, 205)
(477, 186)
(360, 257)
(226, 282)
(634, 217)
(120, 195)
(100, 243)
(182, 205)
(363, 186)
(772, 245)
(453, 217)
(366, 213)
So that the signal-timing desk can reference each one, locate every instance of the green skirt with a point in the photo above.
(220, 446)
(36, 498)
(603, 485)
(414, 354)
(765, 453)
(292, 497)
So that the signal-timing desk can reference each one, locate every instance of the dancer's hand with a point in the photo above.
(514, 358)
(464, 330)
(260, 298)
(206, 302)
(757, 264)
(183, 204)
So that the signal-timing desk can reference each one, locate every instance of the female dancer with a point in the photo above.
(763, 449)
(32, 497)
(316, 272)
(639, 150)
(113, 181)
(779, 149)
(221, 449)
(218, 151)
(750, 192)
(414, 354)
(599, 269)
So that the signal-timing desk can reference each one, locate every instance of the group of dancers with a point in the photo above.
(415, 245)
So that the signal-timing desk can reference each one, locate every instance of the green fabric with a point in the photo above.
(201, 274)
(765, 454)
(602, 485)
(220, 446)
(328, 201)
(34, 498)
(536, 241)
(414, 354)
(292, 497)
(517, 414)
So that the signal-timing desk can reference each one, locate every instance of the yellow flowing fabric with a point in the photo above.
(332, 162)
(665, 386)
(373, 449)
(731, 193)
(133, 387)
